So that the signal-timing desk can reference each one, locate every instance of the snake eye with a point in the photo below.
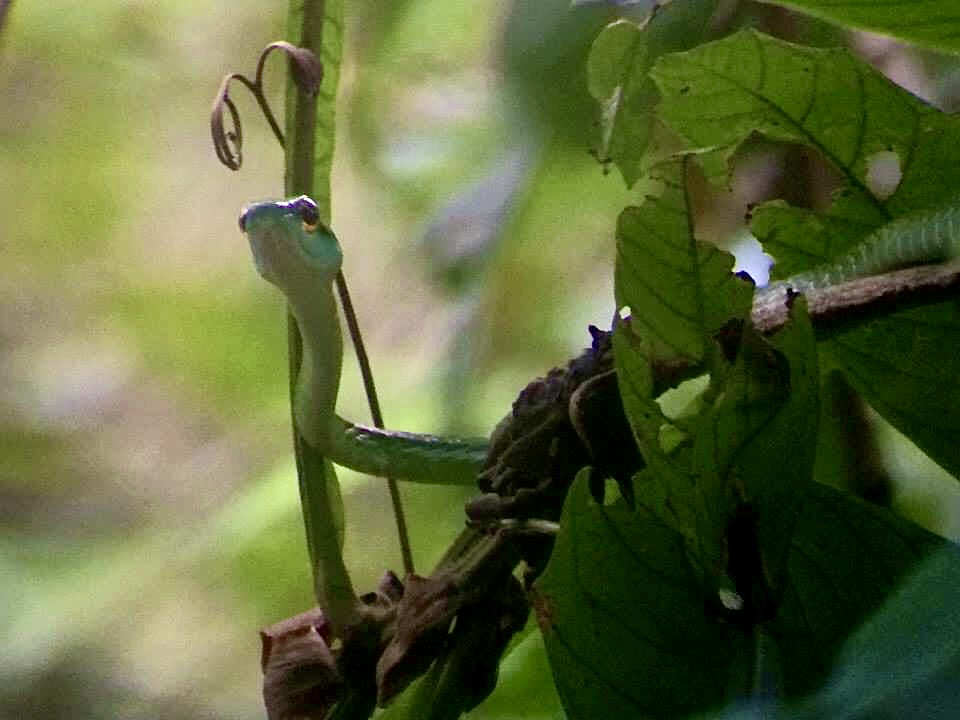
(308, 211)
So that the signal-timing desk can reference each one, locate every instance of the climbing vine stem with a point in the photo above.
(306, 74)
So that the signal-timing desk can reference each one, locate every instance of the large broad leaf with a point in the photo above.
(931, 24)
(717, 95)
(680, 290)
(754, 453)
(623, 618)
(904, 662)
(905, 364)
(882, 631)
(846, 558)
(623, 613)
(617, 71)
(836, 104)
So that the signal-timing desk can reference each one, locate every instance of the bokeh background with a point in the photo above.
(149, 519)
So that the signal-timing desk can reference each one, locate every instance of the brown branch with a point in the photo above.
(858, 300)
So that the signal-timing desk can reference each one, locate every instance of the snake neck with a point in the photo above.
(421, 458)
(318, 377)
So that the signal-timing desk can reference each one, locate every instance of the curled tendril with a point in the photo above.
(228, 144)
(306, 68)
(307, 73)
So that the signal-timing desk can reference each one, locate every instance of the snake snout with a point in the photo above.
(242, 220)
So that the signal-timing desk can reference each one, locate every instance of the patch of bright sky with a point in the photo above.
(751, 258)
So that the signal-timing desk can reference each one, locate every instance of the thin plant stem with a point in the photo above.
(300, 179)
(368, 385)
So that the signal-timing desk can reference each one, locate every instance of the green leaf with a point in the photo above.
(836, 104)
(929, 24)
(846, 558)
(617, 72)
(622, 613)
(905, 660)
(905, 365)
(718, 94)
(681, 291)
(623, 618)
(633, 357)
(617, 76)
(879, 633)
(828, 100)
(665, 488)
(757, 444)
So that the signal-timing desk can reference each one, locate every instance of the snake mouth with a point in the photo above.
(260, 258)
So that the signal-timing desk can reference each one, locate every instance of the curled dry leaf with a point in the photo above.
(300, 677)
(425, 612)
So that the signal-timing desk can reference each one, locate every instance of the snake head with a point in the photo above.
(291, 247)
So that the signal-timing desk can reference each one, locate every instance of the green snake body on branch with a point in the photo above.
(301, 256)
(929, 236)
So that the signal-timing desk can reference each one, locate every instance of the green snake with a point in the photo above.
(301, 256)
(928, 236)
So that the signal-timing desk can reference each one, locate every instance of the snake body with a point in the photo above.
(300, 255)
(925, 237)
(297, 253)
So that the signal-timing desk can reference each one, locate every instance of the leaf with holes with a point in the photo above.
(836, 104)
(827, 99)
(681, 290)
(718, 94)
